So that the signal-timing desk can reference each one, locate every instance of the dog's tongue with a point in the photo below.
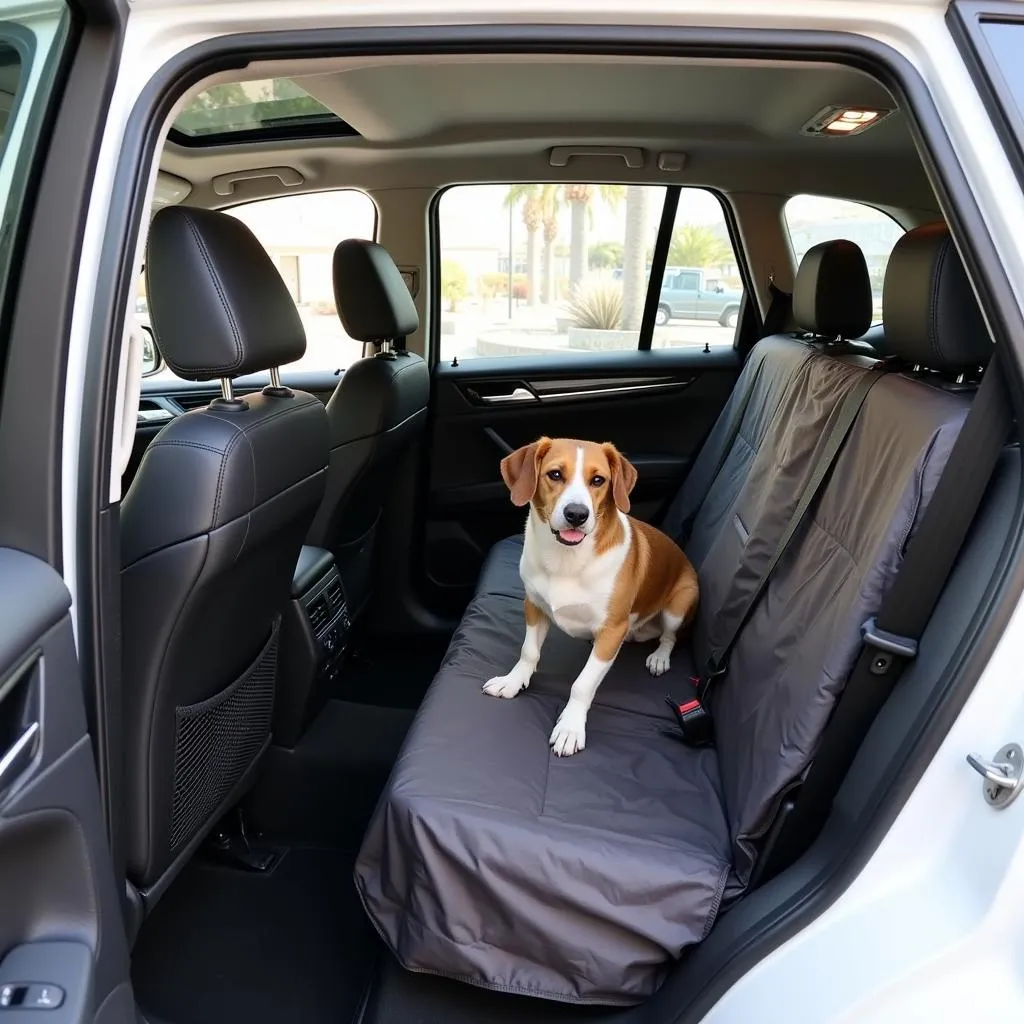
(571, 536)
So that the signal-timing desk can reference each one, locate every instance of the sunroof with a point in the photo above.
(266, 108)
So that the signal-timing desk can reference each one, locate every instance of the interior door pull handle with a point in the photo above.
(517, 395)
(19, 755)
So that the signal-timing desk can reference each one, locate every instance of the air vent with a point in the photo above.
(319, 614)
(334, 593)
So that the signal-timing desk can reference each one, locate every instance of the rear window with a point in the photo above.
(813, 219)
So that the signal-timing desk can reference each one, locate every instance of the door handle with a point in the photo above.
(516, 395)
(19, 755)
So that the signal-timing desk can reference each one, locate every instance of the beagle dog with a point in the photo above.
(591, 569)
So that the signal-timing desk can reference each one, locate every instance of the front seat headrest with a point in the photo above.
(932, 318)
(832, 291)
(372, 299)
(218, 305)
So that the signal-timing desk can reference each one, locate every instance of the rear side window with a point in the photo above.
(29, 60)
(300, 234)
(561, 269)
(814, 219)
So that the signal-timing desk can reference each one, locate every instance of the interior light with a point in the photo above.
(841, 126)
(843, 120)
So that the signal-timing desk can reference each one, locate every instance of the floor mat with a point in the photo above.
(323, 792)
(229, 947)
(391, 672)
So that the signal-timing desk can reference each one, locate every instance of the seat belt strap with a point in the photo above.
(780, 306)
(698, 494)
(891, 638)
(775, 322)
(693, 715)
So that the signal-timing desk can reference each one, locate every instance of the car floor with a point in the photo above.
(228, 946)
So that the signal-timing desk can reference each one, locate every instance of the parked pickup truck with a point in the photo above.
(686, 294)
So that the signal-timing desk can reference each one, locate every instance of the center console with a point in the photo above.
(314, 636)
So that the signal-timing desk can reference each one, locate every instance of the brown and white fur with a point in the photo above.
(591, 569)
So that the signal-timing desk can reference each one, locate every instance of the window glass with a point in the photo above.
(261, 106)
(814, 219)
(701, 291)
(580, 273)
(29, 62)
(300, 233)
(577, 277)
(1005, 39)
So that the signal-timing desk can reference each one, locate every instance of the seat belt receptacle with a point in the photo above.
(694, 722)
(887, 644)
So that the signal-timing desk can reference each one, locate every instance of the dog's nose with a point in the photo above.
(576, 514)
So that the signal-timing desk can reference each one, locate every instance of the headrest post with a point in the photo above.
(387, 349)
(227, 392)
(275, 389)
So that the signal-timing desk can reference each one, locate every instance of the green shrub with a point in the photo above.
(597, 306)
(454, 283)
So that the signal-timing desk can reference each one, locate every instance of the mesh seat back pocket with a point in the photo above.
(217, 740)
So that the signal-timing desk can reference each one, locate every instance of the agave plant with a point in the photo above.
(597, 306)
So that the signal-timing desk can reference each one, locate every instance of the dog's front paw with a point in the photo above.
(506, 686)
(658, 662)
(570, 733)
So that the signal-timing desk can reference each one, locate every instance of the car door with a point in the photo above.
(689, 295)
(575, 358)
(63, 951)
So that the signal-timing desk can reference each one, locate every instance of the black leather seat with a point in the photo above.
(210, 533)
(378, 409)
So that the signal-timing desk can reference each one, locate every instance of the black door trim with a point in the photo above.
(659, 259)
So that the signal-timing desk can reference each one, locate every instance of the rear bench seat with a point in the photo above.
(490, 861)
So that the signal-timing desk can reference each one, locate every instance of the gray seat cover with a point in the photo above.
(490, 861)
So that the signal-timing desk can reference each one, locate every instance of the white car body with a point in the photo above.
(931, 928)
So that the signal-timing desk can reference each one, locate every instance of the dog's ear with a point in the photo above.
(623, 476)
(519, 470)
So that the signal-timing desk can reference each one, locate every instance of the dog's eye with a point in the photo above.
(596, 480)
(554, 474)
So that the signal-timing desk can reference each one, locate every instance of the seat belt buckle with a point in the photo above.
(888, 645)
(694, 721)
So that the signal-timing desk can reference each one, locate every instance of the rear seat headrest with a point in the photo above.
(931, 316)
(832, 291)
(218, 305)
(372, 299)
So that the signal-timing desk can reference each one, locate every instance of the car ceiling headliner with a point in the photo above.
(426, 122)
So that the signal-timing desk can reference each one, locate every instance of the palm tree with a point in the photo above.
(694, 245)
(634, 249)
(549, 198)
(529, 196)
(579, 197)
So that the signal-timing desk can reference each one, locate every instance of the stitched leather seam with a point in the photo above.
(215, 278)
(223, 469)
(184, 444)
(244, 432)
